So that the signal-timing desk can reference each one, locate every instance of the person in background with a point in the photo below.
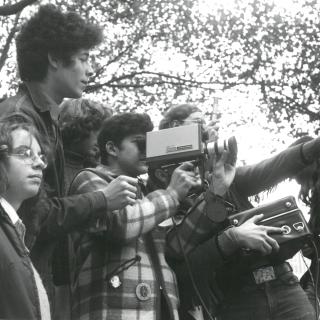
(22, 161)
(80, 121)
(53, 55)
(309, 181)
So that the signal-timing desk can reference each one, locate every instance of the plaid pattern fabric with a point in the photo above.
(110, 246)
(194, 229)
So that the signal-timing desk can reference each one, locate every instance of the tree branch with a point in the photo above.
(6, 47)
(163, 78)
(11, 9)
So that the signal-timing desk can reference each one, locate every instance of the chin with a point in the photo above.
(143, 170)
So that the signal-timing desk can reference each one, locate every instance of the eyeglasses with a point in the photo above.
(29, 157)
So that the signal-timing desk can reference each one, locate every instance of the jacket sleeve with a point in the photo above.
(252, 179)
(194, 229)
(51, 218)
(133, 220)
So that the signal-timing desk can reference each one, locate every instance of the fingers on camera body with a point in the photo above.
(183, 179)
(263, 241)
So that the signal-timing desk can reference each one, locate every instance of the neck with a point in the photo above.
(117, 170)
(15, 203)
(48, 87)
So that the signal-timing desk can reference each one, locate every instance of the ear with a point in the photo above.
(162, 176)
(175, 123)
(111, 149)
(53, 61)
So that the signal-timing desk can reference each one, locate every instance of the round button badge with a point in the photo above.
(115, 282)
(143, 291)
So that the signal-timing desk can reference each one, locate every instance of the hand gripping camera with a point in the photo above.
(171, 147)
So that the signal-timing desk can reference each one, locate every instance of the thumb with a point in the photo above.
(186, 166)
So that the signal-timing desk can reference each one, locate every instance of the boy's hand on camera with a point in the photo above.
(249, 235)
(183, 178)
(121, 192)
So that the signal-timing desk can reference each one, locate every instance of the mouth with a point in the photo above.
(84, 82)
(36, 176)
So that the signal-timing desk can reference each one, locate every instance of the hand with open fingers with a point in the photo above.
(252, 236)
(121, 192)
(183, 179)
(223, 173)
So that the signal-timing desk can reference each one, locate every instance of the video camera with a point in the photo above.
(170, 147)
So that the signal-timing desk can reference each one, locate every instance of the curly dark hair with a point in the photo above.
(8, 124)
(177, 113)
(119, 127)
(52, 31)
(79, 117)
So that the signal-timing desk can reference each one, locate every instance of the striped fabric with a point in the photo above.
(113, 257)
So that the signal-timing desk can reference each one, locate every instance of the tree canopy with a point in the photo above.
(156, 53)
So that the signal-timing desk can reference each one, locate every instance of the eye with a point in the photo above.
(28, 153)
(84, 58)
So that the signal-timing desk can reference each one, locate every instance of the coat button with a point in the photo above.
(115, 282)
(143, 291)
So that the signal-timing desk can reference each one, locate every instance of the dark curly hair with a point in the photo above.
(119, 127)
(79, 117)
(8, 124)
(52, 31)
(177, 113)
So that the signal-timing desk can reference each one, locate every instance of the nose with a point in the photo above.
(39, 162)
(89, 71)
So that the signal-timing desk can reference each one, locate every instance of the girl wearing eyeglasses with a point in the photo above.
(22, 160)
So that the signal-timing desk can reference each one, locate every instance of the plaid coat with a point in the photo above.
(119, 266)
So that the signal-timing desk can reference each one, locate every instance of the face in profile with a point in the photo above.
(131, 155)
(72, 79)
(24, 167)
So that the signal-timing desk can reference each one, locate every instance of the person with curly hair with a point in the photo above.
(80, 121)
(53, 53)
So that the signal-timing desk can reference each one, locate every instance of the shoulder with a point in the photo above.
(88, 180)
(20, 102)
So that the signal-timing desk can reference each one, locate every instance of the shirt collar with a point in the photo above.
(10, 211)
(41, 100)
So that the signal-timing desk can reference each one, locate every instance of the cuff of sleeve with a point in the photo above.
(225, 244)
(174, 195)
(99, 203)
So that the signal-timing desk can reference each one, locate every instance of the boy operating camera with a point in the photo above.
(120, 271)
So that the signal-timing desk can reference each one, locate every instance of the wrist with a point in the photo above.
(227, 243)
(215, 208)
(174, 194)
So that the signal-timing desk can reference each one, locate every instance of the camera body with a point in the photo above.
(171, 147)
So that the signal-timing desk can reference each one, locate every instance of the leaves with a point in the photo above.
(156, 53)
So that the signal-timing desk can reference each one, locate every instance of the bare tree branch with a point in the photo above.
(162, 78)
(11, 9)
(6, 47)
